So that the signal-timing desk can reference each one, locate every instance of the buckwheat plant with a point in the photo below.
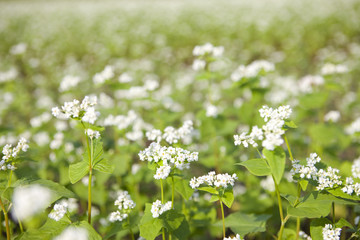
(168, 161)
(84, 112)
(272, 158)
(125, 205)
(8, 164)
(221, 188)
(237, 237)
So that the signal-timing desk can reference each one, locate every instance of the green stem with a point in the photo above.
(297, 227)
(280, 210)
(8, 235)
(172, 192)
(222, 215)
(131, 232)
(259, 153)
(333, 212)
(288, 147)
(9, 182)
(91, 154)
(162, 201)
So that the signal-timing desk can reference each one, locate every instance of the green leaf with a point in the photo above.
(149, 226)
(289, 234)
(290, 198)
(182, 187)
(92, 234)
(245, 223)
(48, 231)
(343, 223)
(289, 124)
(78, 170)
(276, 161)
(303, 184)
(339, 193)
(314, 205)
(172, 220)
(183, 231)
(257, 166)
(228, 198)
(104, 166)
(97, 152)
(316, 227)
(209, 190)
(214, 198)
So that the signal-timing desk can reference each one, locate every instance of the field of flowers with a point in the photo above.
(180, 120)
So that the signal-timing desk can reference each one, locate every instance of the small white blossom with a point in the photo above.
(330, 69)
(30, 200)
(211, 179)
(331, 233)
(59, 211)
(332, 116)
(105, 75)
(157, 208)
(92, 133)
(237, 237)
(73, 233)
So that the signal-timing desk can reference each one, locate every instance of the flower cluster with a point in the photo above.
(213, 179)
(237, 237)
(125, 204)
(167, 157)
(304, 236)
(171, 135)
(30, 200)
(157, 208)
(84, 110)
(325, 179)
(73, 233)
(59, 211)
(106, 74)
(330, 69)
(11, 153)
(351, 187)
(92, 133)
(203, 52)
(331, 233)
(355, 168)
(332, 116)
(252, 70)
(307, 83)
(270, 133)
(69, 82)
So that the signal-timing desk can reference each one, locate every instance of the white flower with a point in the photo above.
(59, 211)
(329, 69)
(92, 133)
(18, 49)
(252, 70)
(125, 204)
(30, 200)
(304, 236)
(355, 168)
(237, 237)
(157, 208)
(105, 75)
(73, 233)
(268, 184)
(198, 65)
(331, 233)
(212, 111)
(332, 116)
(211, 179)
(69, 82)
(162, 172)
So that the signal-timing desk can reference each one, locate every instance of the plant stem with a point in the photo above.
(280, 210)
(297, 227)
(288, 147)
(333, 212)
(222, 215)
(9, 182)
(8, 235)
(162, 202)
(91, 153)
(131, 232)
(172, 192)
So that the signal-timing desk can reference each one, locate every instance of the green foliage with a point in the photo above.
(257, 166)
(276, 161)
